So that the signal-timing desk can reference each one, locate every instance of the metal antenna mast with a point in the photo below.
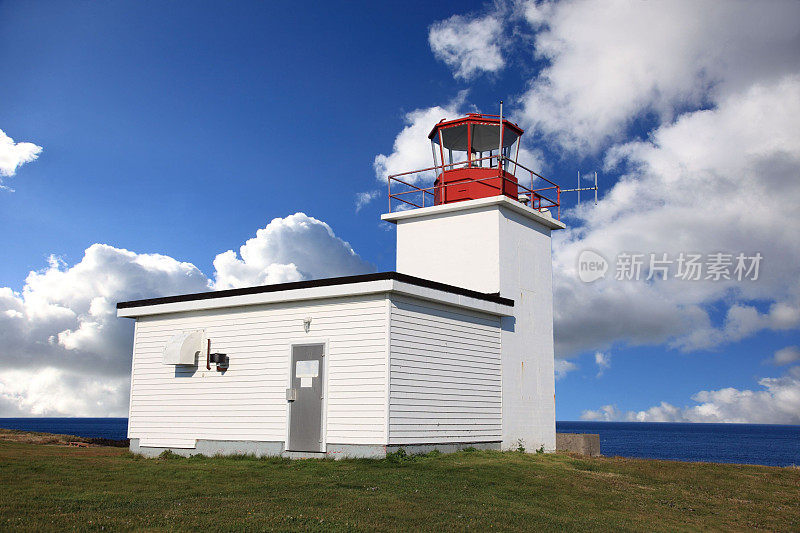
(579, 188)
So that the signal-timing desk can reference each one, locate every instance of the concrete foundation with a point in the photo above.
(335, 451)
(359, 451)
(580, 443)
(356, 451)
(215, 447)
(445, 448)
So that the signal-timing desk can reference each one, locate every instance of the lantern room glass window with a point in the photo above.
(480, 141)
(453, 141)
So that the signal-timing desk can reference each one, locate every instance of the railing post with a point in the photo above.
(500, 150)
(531, 180)
(441, 152)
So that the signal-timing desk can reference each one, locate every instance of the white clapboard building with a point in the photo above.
(455, 349)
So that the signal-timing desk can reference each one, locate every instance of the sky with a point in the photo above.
(152, 148)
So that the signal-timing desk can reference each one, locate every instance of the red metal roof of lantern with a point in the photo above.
(474, 157)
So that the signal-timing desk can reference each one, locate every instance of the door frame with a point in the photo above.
(306, 341)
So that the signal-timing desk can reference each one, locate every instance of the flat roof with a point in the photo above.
(325, 282)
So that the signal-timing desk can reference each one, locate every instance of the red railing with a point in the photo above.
(540, 198)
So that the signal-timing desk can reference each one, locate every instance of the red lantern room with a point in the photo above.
(474, 157)
(469, 160)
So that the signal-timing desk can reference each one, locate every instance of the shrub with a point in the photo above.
(169, 455)
(397, 457)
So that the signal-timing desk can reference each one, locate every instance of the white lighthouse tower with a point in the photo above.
(479, 228)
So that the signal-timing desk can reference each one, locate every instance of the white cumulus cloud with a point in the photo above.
(606, 413)
(364, 198)
(777, 402)
(15, 154)
(717, 180)
(288, 249)
(786, 356)
(468, 45)
(611, 62)
(603, 362)
(563, 367)
(64, 352)
(50, 391)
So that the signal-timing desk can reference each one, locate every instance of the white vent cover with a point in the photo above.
(184, 348)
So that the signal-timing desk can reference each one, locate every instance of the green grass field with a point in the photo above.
(54, 487)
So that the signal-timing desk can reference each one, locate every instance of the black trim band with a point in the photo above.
(326, 282)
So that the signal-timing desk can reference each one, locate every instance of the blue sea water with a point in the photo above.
(717, 443)
(105, 428)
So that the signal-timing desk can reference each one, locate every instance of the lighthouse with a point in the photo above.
(452, 350)
(480, 227)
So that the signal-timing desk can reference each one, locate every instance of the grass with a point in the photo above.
(51, 487)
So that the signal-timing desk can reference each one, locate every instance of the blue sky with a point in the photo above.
(182, 128)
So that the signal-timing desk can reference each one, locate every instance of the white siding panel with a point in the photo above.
(248, 401)
(445, 374)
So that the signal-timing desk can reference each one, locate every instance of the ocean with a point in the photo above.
(104, 428)
(716, 443)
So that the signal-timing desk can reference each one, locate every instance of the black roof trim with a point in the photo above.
(326, 282)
